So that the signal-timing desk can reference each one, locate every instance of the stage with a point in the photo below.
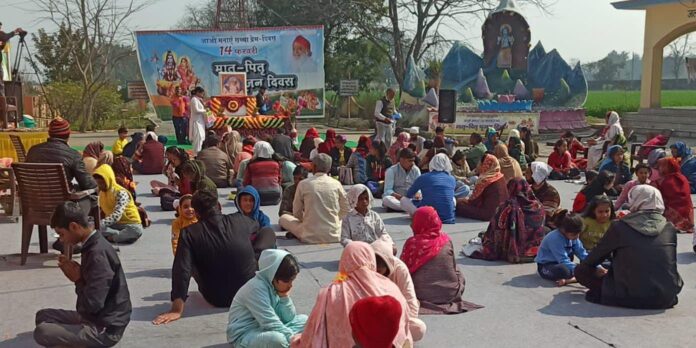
(28, 138)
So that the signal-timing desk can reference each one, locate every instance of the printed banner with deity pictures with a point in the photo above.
(287, 61)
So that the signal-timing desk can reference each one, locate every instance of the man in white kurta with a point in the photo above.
(319, 206)
(198, 120)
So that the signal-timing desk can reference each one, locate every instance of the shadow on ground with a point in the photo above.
(529, 281)
(195, 306)
(572, 303)
(24, 339)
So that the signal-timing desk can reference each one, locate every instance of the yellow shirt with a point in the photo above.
(592, 232)
(119, 144)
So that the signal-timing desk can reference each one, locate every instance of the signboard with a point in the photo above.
(137, 90)
(469, 121)
(349, 88)
(288, 61)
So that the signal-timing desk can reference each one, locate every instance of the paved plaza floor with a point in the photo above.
(521, 309)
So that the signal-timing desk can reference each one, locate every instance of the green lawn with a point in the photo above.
(598, 102)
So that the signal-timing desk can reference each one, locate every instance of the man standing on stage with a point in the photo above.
(4, 37)
(180, 110)
(385, 109)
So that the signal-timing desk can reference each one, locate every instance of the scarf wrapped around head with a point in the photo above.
(517, 228)
(540, 171)
(363, 147)
(508, 165)
(683, 151)
(93, 149)
(489, 172)
(645, 197)
(427, 241)
(375, 321)
(402, 142)
(354, 194)
(328, 143)
(263, 149)
(490, 133)
(329, 323)
(232, 144)
(655, 156)
(440, 163)
(676, 194)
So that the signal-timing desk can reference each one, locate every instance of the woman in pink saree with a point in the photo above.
(328, 324)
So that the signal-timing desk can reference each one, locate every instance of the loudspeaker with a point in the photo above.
(447, 109)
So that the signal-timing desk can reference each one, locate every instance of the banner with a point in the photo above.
(469, 122)
(287, 61)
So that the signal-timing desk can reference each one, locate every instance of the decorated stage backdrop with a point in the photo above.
(288, 61)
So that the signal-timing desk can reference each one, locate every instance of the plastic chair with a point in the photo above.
(42, 187)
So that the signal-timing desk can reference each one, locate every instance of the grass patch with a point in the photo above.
(599, 102)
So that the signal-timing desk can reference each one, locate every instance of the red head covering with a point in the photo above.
(329, 142)
(300, 40)
(312, 133)
(59, 128)
(427, 241)
(676, 192)
(363, 145)
(375, 321)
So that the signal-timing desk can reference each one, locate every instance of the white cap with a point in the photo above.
(414, 130)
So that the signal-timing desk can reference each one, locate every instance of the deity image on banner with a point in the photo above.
(168, 75)
(233, 84)
(505, 41)
(186, 75)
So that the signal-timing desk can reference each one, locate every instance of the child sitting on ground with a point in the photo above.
(362, 223)
(300, 173)
(185, 217)
(614, 162)
(575, 147)
(596, 220)
(262, 313)
(248, 203)
(602, 184)
(555, 257)
(643, 172)
(562, 163)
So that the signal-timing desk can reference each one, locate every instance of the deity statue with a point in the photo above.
(505, 41)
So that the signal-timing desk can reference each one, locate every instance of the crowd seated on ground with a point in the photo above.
(623, 219)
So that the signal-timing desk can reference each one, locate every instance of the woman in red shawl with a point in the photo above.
(308, 143)
(517, 228)
(429, 256)
(329, 142)
(676, 193)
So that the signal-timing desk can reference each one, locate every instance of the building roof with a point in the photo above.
(507, 5)
(643, 4)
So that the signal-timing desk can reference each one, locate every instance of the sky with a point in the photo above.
(584, 30)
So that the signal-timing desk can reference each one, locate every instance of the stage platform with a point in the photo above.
(28, 138)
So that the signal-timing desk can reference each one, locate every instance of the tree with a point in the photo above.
(98, 28)
(679, 49)
(402, 29)
(609, 67)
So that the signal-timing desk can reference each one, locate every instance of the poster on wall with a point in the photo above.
(287, 61)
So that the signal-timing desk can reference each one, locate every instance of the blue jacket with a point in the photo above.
(256, 213)
(556, 248)
(257, 306)
(437, 189)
